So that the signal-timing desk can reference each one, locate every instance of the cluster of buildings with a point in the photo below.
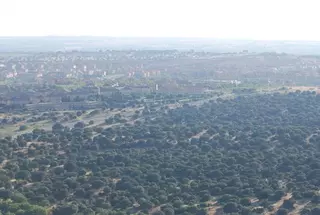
(60, 77)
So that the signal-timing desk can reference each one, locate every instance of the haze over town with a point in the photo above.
(246, 19)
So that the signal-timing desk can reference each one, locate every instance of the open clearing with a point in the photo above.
(99, 119)
(304, 88)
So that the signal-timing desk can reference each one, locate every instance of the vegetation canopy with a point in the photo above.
(239, 156)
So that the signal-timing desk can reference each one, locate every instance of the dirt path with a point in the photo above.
(3, 163)
(316, 133)
(50, 209)
(213, 136)
(98, 191)
(28, 185)
(270, 137)
(309, 137)
(213, 207)
(199, 134)
(198, 102)
(254, 200)
(115, 180)
(278, 204)
(154, 210)
(299, 208)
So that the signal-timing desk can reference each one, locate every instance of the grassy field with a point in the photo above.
(99, 120)
(126, 113)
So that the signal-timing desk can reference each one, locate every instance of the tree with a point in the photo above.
(4, 180)
(278, 195)
(145, 204)
(36, 210)
(153, 177)
(57, 127)
(65, 209)
(245, 201)
(80, 193)
(5, 194)
(80, 125)
(288, 204)
(305, 211)
(97, 184)
(158, 213)
(23, 127)
(37, 176)
(315, 199)
(263, 194)
(109, 121)
(60, 194)
(315, 211)
(168, 211)
(58, 170)
(18, 197)
(22, 175)
(231, 208)
(70, 166)
(258, 210)
(245, 211)
(205, 197)
(282, 211)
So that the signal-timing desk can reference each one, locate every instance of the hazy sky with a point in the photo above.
(251, 19)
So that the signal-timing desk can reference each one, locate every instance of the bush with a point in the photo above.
(94, 112)
(23, 127)
(18, 197)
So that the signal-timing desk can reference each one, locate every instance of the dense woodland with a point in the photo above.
(241, 155)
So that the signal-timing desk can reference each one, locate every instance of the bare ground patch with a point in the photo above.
(3, 163)
(298, 208)
(199, 134)
(310, 136)
(213, 208)
(278, 204)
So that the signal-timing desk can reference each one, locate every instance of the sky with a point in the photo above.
(230, 19)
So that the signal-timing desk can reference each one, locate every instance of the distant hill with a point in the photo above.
(87, 43)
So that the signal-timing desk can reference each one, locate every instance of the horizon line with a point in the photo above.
(157, 37)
